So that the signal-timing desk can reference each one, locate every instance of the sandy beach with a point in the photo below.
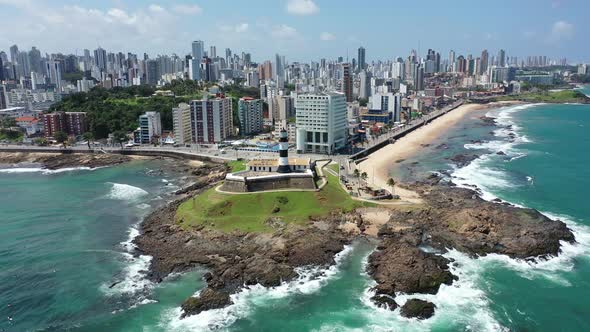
(381, 161)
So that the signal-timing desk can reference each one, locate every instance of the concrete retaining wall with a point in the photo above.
(136, 152)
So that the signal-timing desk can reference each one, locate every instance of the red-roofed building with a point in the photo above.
(30, 124)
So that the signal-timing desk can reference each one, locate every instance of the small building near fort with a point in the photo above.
(273, 174)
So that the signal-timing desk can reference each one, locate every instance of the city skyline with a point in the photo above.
(304, 30)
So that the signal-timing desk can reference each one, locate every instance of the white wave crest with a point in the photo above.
(310, 280)
(134, 277)
(44, 170)
(125, 192)
(134, 273)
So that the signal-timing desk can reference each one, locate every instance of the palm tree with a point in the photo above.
(61, 137)
(364, 176)
(391, 183)
(88, 136)
(119, 136)
(357, 175)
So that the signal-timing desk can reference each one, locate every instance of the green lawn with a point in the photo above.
(565, 96)
(249, 212)
(335, 168)
(237, 165)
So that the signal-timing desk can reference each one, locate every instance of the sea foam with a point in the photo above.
(44, 170)
(121, 191)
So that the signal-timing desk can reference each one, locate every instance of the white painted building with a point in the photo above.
(387, 102)
(150, 125)
(321, 122)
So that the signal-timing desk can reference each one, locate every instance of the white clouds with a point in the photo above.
(187, 9)
(327, 36)
(156, 8)
(243, 27)
(66, 28)
(284, 31)
(302, 7)
(560, 31)
(239, 28)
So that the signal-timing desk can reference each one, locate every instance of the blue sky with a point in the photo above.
(301, 29)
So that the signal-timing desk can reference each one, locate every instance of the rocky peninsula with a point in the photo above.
(448, 217)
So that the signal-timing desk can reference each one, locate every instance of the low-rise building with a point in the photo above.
(150, 127)
(30, 124)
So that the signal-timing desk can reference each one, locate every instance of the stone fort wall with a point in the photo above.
(263, 184)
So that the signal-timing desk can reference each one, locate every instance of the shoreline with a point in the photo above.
(378, 165)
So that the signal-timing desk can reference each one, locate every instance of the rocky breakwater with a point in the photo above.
(408, 258)
(53, 161)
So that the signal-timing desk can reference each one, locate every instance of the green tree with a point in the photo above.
(41, 141)
(364, 176)
(8, 123)
(88, 137)
(120, 136)
(357, 175)
(61, 137)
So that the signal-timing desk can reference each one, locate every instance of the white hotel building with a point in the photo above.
(321, 122)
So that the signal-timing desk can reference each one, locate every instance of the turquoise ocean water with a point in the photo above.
(64, 240)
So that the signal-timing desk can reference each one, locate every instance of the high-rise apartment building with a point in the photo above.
(365, 84)
(502, 58)
(484, 60)
(281, 108)
(321, 122)
(71, 123)
(362, 63)
(211, 120)
(151, 72)
(265, 70)
(181, 121)
(347, 81)
(100, 58)
(250, 114)
(198, 50)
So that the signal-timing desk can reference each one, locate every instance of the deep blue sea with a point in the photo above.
(65, 240)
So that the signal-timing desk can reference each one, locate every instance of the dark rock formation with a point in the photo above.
(462, 160)
(384, 301)
(208, 299)
(54, 161)
(399, 265)
(414, 308)
(488, 121)
(455, 218)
